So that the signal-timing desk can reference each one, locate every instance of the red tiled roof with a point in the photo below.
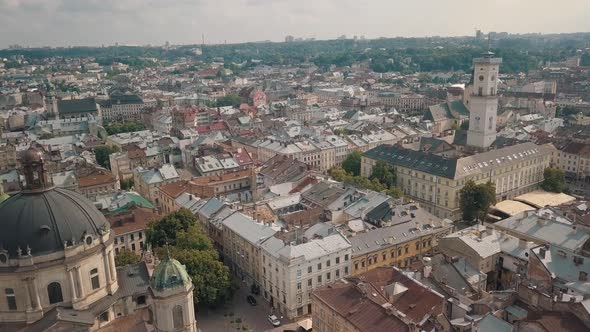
(175, 189)
(351, 304)
(242, 157)
(417, 302)
(217, 126)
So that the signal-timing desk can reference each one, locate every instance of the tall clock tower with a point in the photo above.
(483, 106)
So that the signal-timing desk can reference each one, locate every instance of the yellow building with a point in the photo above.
(398, 245)
(435, 181)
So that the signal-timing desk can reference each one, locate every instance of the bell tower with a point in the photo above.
(484, 101)
(37, 177)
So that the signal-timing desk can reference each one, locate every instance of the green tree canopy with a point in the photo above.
(229, 100)
(123, 127)
(554, 180)
(102, 155)
(165, 231)
(352, 163)
(126, 257)
(385, 173)
(375, 184)
(190, 246)
(127, 184)
(475, 200)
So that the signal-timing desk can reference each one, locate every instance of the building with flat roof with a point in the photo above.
(546, 226)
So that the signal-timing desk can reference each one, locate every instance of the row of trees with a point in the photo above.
(382, 179)
(114, 128)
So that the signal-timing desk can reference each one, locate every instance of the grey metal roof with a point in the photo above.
(400, 233)
(45, 220)
(247, 228)
(133, 279)
(86, 105)
(416, 160)
(544, 226)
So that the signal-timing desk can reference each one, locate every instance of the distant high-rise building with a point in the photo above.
(483, 107)
(289, 39)
(478, 34)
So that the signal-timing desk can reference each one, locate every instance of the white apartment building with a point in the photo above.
(291, 271)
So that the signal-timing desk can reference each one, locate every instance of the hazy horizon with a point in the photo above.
(37, 23)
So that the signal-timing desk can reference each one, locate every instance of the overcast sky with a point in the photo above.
(98, 22)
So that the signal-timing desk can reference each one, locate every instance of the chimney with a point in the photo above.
(542, 252)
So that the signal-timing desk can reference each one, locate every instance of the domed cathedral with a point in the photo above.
(58, 273)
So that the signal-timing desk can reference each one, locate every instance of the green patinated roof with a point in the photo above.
(169, 274)
(133, 199)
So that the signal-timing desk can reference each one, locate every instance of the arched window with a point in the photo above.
(54, 293)
(10, 298)
(94, 279)
(177, 318)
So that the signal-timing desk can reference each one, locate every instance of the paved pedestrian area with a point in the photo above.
(237, 315)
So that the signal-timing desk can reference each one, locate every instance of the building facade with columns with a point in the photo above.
(57, 263)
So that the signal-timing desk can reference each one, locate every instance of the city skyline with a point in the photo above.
(37, 23)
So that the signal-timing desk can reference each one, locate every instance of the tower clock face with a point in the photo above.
(481, 77)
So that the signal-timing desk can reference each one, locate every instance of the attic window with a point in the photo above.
(44, 228)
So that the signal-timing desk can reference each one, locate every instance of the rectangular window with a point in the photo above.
(319, 266)
(346, 257)
(10, 298)
(309, 282)
(345, 270)
(94, 279)
(298, 286)
(328, 263)
(309, 269)
(338, 273)
(337, 260)
(319, 279)
(328, 276)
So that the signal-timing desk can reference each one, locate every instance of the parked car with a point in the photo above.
(251, 300)
(274, 320)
